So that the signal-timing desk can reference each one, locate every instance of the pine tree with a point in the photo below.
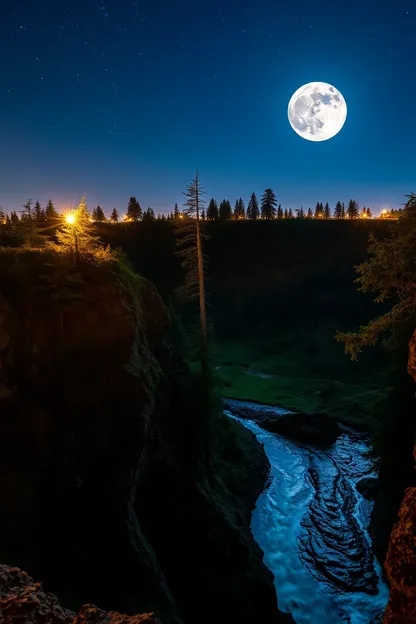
(286, 215)
(98, 214)
(176, 213)
(291, 214)
(391, 273)
(280, 212)
(239, 210)
(310, 214)
(327, 212)
(338, 210)
(268, 204)
(253, 211)
(31, 236)
(134, 210)
(149, 215)
(39, 213)
(342, 211)
(225, 210)
(50, 212)
(212, 211)
(114, 216)
(14, 218)
(203, 217)
(190, 250)
(319, 209)
(352, 210)
(369, 213)
(301, 214)
(75, 237)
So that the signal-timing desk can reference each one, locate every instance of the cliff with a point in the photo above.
(400, 565)
(105, 496)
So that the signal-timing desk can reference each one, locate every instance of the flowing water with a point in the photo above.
(312, 524)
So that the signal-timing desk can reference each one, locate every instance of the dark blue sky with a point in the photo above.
(113, 98)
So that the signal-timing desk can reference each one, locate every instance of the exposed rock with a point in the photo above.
(314, 428)
(411, 362)
(23, 601)
(400, 565)
(368, 487)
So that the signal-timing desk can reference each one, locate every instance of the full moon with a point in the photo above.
(317, 111)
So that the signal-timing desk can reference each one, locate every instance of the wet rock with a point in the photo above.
(312, 428)
(24, 601)
(368, 487)
(400, 565)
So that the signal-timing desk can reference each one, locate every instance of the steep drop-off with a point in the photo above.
(400, 562)
(104, 493)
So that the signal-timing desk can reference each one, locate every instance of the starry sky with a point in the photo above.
(112, 98)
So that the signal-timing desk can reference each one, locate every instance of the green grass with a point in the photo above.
(290, 378)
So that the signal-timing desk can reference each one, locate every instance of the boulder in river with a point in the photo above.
(368, 487)
(313, 428)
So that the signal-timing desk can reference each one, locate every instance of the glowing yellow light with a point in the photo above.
(180, 216)
(384, 211)
(70, 218)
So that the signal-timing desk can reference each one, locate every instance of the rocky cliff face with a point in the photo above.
(104, 495)
(400, 565)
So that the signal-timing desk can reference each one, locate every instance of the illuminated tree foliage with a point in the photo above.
(75, 238)
(51, 214)
(391, 272)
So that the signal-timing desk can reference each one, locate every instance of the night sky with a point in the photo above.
(112, 99)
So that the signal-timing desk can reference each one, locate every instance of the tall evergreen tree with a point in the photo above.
(310, 214)
(30, 232)
(225, 210)
(301, 214)
(98, 214)
(239, 210)
(212, 211)
(149, 215)
(338, 210)
(327, 212)
(39, 213)
(352, 210)
(14, 218)
(280, 212)
(369, 213)
(134, 210)
(114, 216)
(253, 211)
(286, 215)
(203, 216)
(319, 209)
(268, 204)
(176, 213)
(51, 213)
(291, 214)
(75, 237)
(342, 211)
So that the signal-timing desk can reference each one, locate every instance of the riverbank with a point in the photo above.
(282, 374)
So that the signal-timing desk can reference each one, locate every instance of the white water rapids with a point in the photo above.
(312, 524)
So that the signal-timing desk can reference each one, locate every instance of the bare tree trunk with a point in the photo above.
(202, 308)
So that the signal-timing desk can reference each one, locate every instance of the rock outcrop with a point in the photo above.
(24, 601)
(400, 564)
(105, 496)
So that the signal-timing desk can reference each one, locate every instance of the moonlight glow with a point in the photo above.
(317, 111)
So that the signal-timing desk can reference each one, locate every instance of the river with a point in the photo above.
(312, 524)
